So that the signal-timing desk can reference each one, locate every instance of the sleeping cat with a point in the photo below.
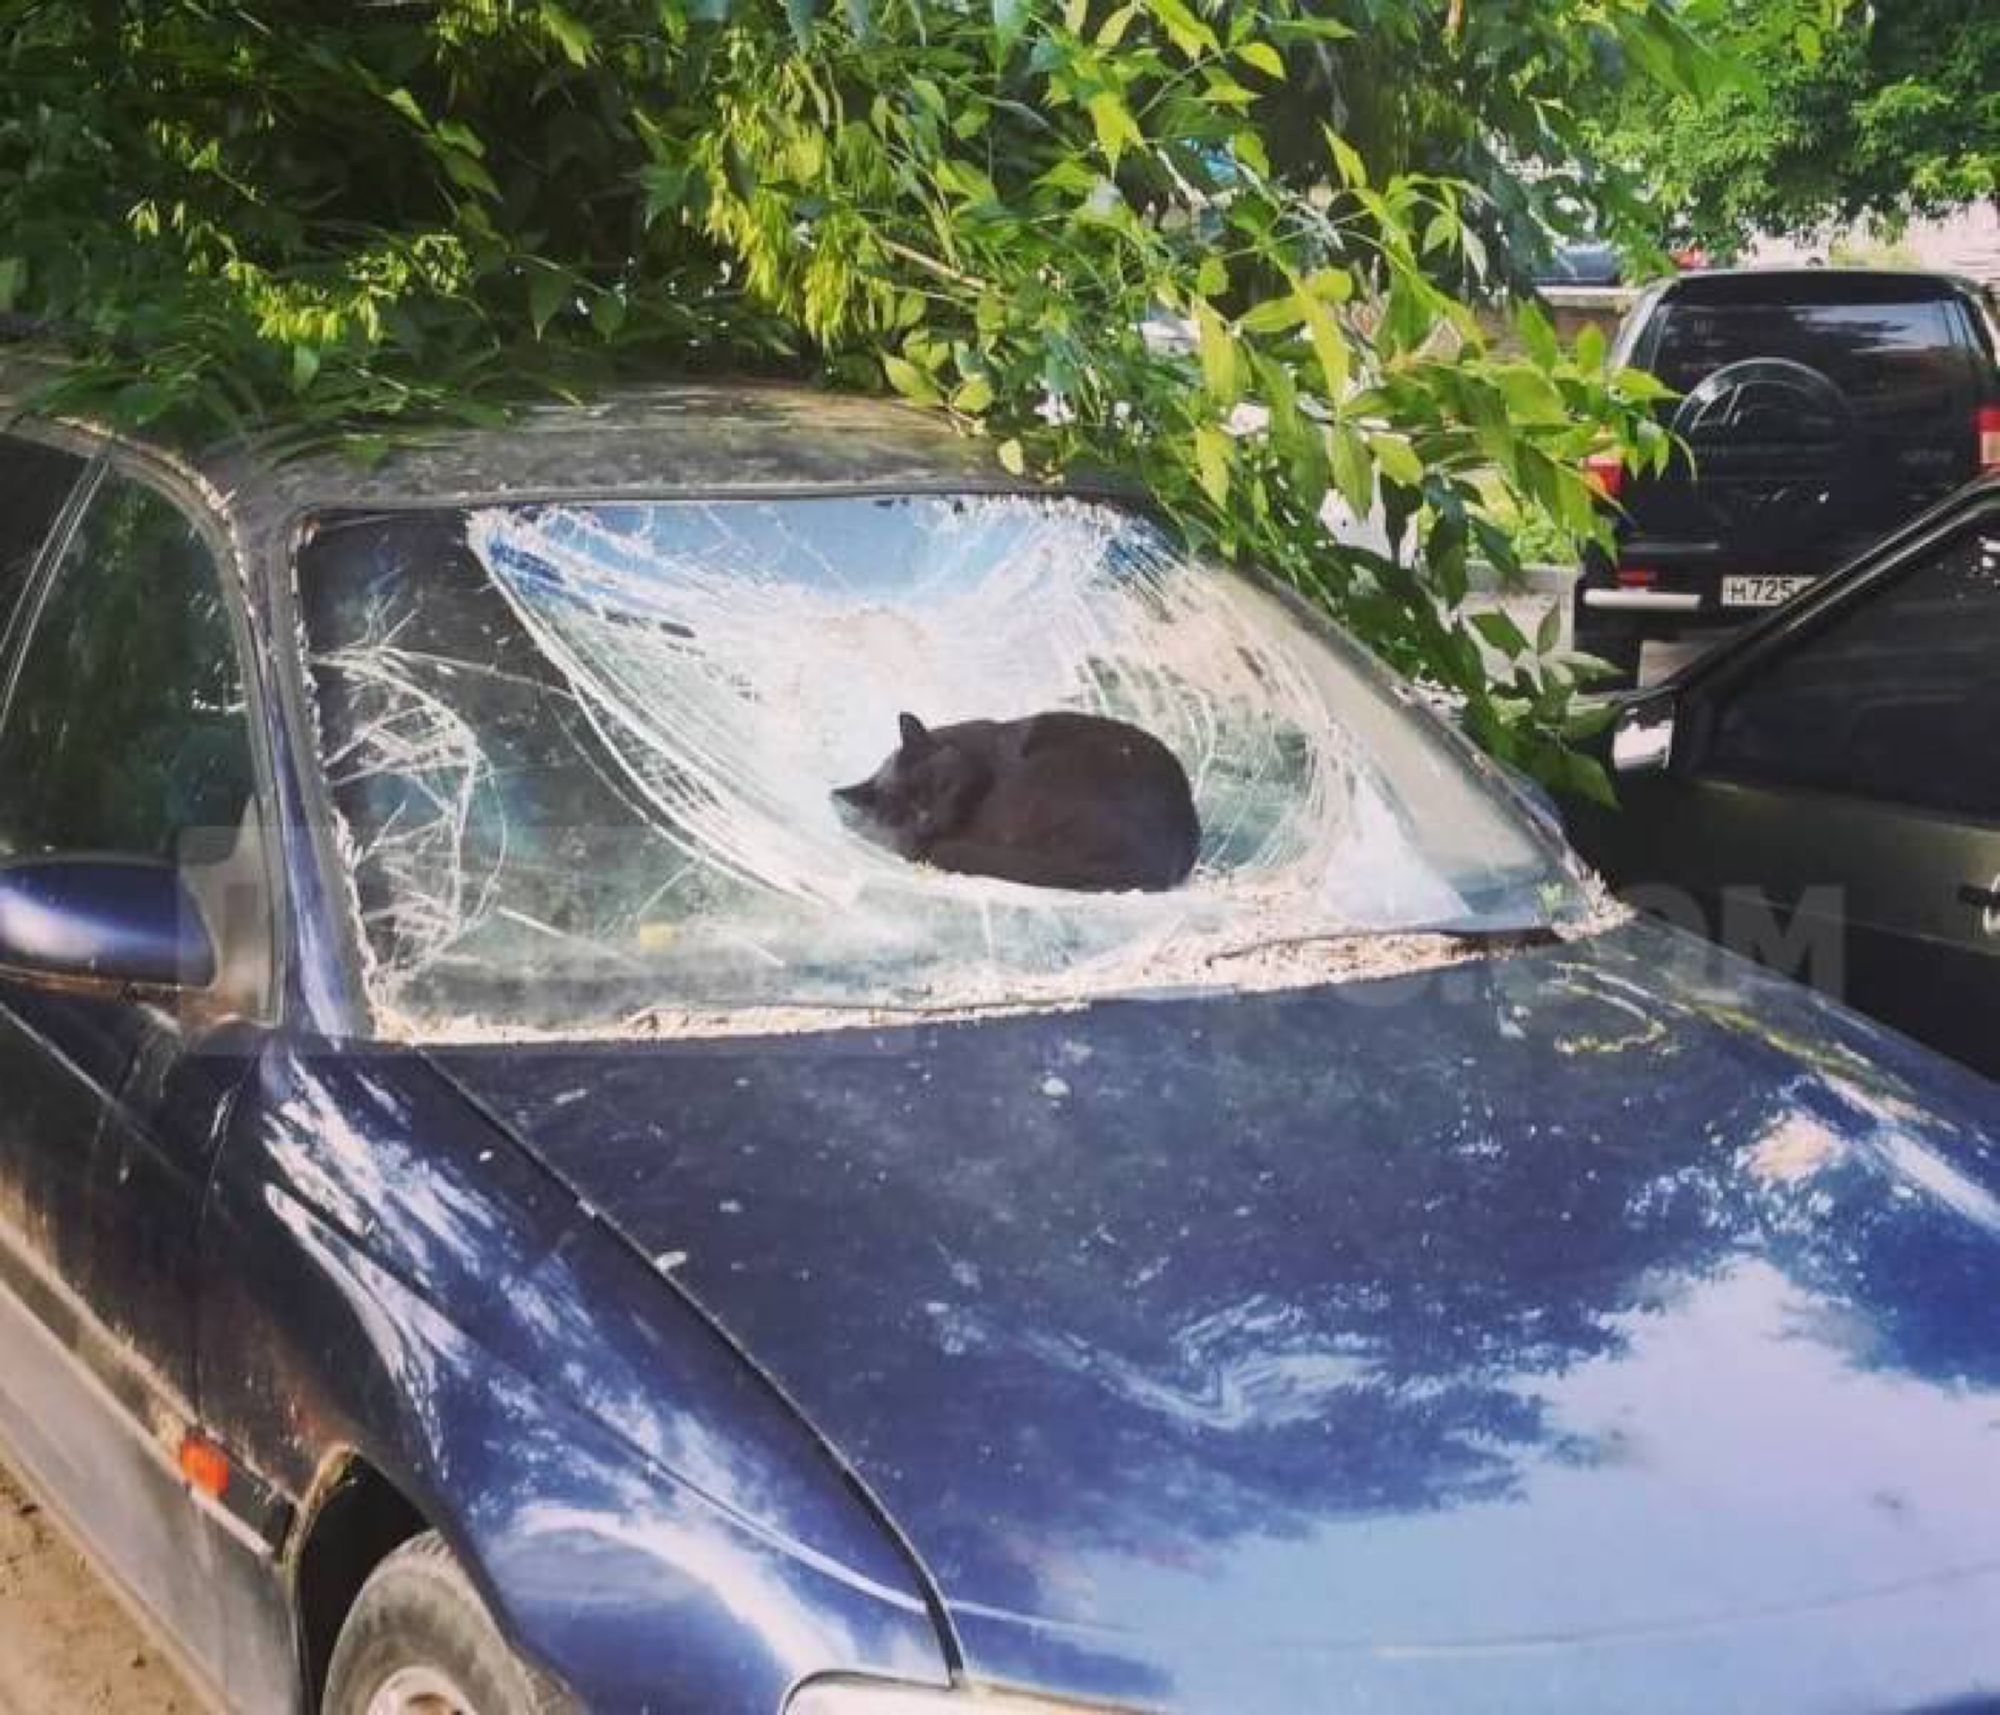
(1055, 800)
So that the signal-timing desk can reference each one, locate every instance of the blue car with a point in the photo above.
(508, 1202)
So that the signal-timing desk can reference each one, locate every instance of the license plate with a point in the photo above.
(1763, 591)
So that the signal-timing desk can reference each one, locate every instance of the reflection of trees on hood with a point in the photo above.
(1167, 1275)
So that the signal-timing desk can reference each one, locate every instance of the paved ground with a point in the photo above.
(66, 1646)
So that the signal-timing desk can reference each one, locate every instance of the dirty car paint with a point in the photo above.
(1588, 1327)
(1509, 1334)
(389, 1274)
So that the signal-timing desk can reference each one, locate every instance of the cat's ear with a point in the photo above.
(916, 736)
(861, 795)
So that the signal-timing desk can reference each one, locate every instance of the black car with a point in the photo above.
(1823, 791)
(1819, 409)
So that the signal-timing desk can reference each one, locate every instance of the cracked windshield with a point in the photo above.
(644, 765)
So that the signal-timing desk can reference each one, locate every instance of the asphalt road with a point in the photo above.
(66, 1646)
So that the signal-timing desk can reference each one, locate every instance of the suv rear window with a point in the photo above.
(1871, 352)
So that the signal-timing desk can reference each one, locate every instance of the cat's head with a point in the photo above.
(925, 791)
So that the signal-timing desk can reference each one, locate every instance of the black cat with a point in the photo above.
(1055, 800)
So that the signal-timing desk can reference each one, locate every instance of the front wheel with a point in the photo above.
(418, 1641)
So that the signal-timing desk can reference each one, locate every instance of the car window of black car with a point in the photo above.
(1897, 699)
(1877, 354)
(123, 728)
(35, 481)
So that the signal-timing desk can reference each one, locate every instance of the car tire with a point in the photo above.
(419, 1641)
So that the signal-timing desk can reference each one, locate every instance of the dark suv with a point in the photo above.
(1819, 408)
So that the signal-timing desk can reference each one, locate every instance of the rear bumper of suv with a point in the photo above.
(1614, 614)
(1679, 602)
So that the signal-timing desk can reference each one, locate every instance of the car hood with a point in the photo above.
(1491, 1334)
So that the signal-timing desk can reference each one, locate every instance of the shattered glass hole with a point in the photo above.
(582, 755)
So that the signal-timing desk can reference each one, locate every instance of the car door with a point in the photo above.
(124, 732)
(1834, 803)
(39, 487)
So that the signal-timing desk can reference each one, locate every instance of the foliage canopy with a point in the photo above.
(1229, 248)
(1840, 111)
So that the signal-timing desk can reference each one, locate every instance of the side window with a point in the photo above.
(34, 483)
(124, 729)
(1897, 700)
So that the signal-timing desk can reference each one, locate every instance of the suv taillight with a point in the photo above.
(1607, 472)
(1987, 422)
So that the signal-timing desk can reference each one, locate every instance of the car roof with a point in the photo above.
(692, 438)
(1817, 285)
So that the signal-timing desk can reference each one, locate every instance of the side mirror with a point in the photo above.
(104, 922)
(1642, 738)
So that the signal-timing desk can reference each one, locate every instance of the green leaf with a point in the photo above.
(1212, 457)
(1353, 474)
(305, 365)
(1536, 334)
(1315, 29)
(1184, 29)
(1273, 315)
(1249, 148)
(1261, 56)
(1593, 667)
(1585, 776)
(1588, 719)
(1499, 629)
(1218, 356)
(1530, 395)
(1011, 457)
(569, 32)
(1329, 345)
(1548, 634)
(1641, 386)
(1590, 347)
(1112, 31)
(1397, 458)
(910, 381)
(1116, 128)
(1347, 162)
(465, 171)
(665, 187)
(972, 395)
(142, 402)
(1010, 18)
(13, 280)
(1219, 89)
(607, 314)
(458, 136)
(548, 288)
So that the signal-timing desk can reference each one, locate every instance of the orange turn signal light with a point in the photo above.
(205, 1465)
